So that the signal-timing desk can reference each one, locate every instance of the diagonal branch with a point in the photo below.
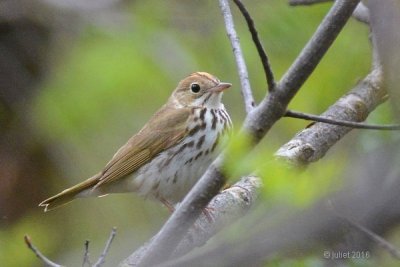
(237, 51)
(316, 48)
(165, 242)
(312, 143)
(257, 124)
(38, 254)
(395, 252)
(225, 208)
(102, 257)
(260, 49)
(370, 197)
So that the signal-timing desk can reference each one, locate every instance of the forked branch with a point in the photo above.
(226, 208)
(86, 261)
(257, 124)
(237, 52)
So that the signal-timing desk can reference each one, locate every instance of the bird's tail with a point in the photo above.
(69, 194)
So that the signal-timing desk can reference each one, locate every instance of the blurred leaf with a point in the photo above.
(299, 187)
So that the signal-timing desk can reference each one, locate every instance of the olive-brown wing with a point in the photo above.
(165, 129)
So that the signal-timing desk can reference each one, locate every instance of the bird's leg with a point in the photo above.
(207, 212)
(169, 206)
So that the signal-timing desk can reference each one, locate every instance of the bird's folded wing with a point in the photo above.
(165, 129)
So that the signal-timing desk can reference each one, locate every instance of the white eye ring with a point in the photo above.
(195, 88)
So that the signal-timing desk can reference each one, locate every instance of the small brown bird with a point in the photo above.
(170, 153)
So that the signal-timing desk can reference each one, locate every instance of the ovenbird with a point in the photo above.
(170, 153)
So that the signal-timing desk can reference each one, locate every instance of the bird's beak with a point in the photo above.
(220, 87)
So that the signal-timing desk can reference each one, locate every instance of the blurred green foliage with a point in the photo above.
(282, 182)
(110, 80)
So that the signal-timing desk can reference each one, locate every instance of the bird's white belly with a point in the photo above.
(171, 174)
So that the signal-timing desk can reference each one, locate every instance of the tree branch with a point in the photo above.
(38, 254)
(86, 260)
(361, 13)
(380, 241)
(257, 123)
(225, 208)
(333, 121)
(102, 257)
(237, 51)
(86, 257)
(165, 242)
(260, 49)
(307, 2)
(312, 143)
(273, 107)
(370, 197)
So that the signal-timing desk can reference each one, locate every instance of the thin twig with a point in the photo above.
(102, 257)
(307, 2)
(86, 257)
(237, 51)
(395, 252)
(260, 49)
(352, 124)
(38, 254)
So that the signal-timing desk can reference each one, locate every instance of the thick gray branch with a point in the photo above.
(225, 208)
(312, 143)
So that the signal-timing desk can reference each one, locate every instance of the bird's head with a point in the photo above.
(199, 89)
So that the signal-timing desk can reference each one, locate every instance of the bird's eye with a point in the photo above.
(195, 87)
